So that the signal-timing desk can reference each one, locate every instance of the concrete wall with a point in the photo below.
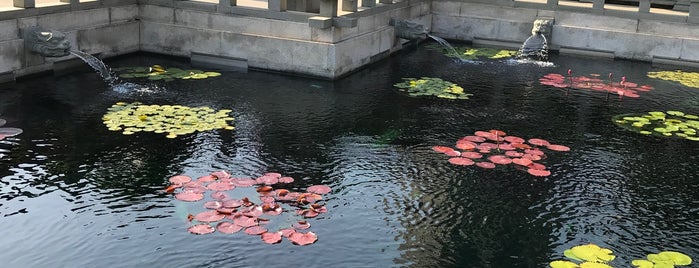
(647, 37)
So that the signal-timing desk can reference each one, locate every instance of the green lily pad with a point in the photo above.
(173, 120)
(667, 124)
(592, 253)
(157, 72)
(563, 264)
(471, 53)
(427, 86)
(690, 79)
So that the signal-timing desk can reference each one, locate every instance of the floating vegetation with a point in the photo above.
(470, 53)
(665, 259)
(227, 215)
(6, 132)
(589, 256)
(427, 86)
(485, 149)
(690, 79)
(173, 120)
(667, 124)
(623, 88)
(157, 72)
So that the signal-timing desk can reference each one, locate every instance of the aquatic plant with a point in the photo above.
(171, 119)
(485, 149)
(666, 124)
(623, 88)
(427, 86)
(471, 53)
(6, 132)
(233, 215)
(690, 79)
(157, 72)
(589, 256)
(665, 259)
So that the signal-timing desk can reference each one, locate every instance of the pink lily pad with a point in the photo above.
(207, 178)
(522, 161)
(319, 189)
(556, 147)
(201, 229)
(473, 138)
(209, 216)
(453, 153)
(302, 239)
(10, 131)
(219, 195)
(221, 186)
(461, 161)
(189, 196)
(536, 166)
(228, 227)
(465, 145)
(286, 180)
(514, 154)
(514, 139)
(221, 174)
(244, 221)
(487, 165)
(539, 172)
(272, 238)
(472, 155)
(213, 204)
(442, 149)
(302, 225)
(273, 174)
(243, 182)
(500, 159)
(267, 180)
(255, 230)
(286, 232)
(538, 142)
(232, 203)
(180, 179)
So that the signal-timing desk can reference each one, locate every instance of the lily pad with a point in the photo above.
(157, 72)
(174, 120)
(434, 87)
(666, 124)
(472, 53)
(690, 79)
(622, 88)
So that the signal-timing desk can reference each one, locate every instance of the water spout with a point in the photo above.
(99, 66)
(44, 42)
(536, 46)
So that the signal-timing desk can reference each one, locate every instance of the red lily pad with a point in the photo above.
(532, 157)
(302, 239)
(522, 161)
(267, 199)
(221, 186)
(201, 229)
(272, 238)
(302, 225)
(221, 174)
(232, 203)
(318, 208)
(228, 227)
(244, 221)
(514, 139)
(538, 142)
(189, 196)
(286, 180)
(500, 159)
(472, 155)
(209, 216)
(267, 180)
(474, 138)
(453, 153)
(180, 179)
(539, 172)
(442, 149)
(556, 147)
(536, 166)
(255, 230)
(207, 178)
(465, 145)
(534, 152)
(514, 154)
(461, 161)
(243, 182)
(487, 165)
(226, 211)
(308, 213)
(10, 131)
(286, 232)
(319, 189)
(273, 174)
(213, 204)
(253, 212)
(219, 195)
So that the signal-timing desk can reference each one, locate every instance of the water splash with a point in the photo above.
(99, 66)
(451, 51)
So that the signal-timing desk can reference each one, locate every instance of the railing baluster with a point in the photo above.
(24, 3)
(644, 6)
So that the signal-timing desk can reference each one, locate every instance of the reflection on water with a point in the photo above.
(77, 195)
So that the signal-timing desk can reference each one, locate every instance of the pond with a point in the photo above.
(75, 194)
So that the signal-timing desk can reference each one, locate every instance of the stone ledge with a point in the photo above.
(674, 62)
(219, 62)
(586, 52)
(320, 22)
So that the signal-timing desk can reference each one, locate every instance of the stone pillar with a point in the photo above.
(368, 3)
(349, 5)
(276, 5)
(24, 3)
(328, 8)
(551, 4)
(598, 5)
(694, 11)
(644, 6)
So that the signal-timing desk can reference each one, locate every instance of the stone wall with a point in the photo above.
(645, 37)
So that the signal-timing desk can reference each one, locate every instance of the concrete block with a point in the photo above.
(23, 23)
(451, 27)
(177, 40)
(195, 5)
(115, 39)
(218, 62)
(596, 21)
(82, 19)
(690, 50)
(366, 24)
(11, 53)
(8, 30)
(446, 8)
(123, 13)
(513, 31)
(343, 22)
(401, 13)
(490, 11)
(328, 35)
(668, 28)
(387, 39)
(156, 13)
(288, 29)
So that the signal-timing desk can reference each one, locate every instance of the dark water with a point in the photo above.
(77, 195)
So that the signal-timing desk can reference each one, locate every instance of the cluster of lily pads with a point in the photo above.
(157, 72)
(623, 88)
(488, 148)
(670, 123)
(471, 53)
(594, 256)
(234, 215)
(6, 132)
(690, 79)
(171, 119)
(436, 87)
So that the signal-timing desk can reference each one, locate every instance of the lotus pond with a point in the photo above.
(518, 169)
